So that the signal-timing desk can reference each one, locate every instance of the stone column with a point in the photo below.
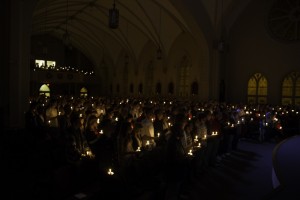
(16, 72)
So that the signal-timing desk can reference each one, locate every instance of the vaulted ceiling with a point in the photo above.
(140, 22)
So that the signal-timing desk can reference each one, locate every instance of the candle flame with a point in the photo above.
(110, 172)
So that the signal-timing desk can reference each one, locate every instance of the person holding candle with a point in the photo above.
(76, 143)
(176, 163)
(148, 128)
(160, 128)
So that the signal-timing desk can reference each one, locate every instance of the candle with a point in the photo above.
(80, 115)
(196, 138)
(110, 172)
(190, 152)
(101, 131)
(138, 149)
(59, 113)
(199, 145)
(215, 133)
(89, 153)
(158, 134)
(148, 142)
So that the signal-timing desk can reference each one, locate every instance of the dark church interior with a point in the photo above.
(150, 99)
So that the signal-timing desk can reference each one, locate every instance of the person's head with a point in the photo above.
(92, 123)
(129, 118)
(137, 127)
(76, 121)
(180, 120)
(159, 114)
(149, 113)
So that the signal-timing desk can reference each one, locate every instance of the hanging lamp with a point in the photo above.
(113, 17)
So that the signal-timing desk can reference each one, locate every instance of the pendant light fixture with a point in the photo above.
(66, 35)
(45, 46)
(113, 17)
(159, 51)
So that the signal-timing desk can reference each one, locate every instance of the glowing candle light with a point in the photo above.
(204, 137)
(101, 131)
(196, 138)
(89, 153)
(49, 122)
(98, 121)
(199, 145)
(138, 149)
(117, 119)
(190, 152)
(110, 172)
(147, 142)
(80, 115)
(158, 134)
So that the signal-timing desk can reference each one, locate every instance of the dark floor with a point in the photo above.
(29, 173)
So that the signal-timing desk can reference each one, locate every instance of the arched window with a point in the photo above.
(45, 90)
(111, 88)
(118, 88)
(158, 88)
(140, 88)
(131, 88)
(149, 77)
(257, 89)
(125, 77)
(291, 89)
(184, 74)
(171, 88)
(194, 88)
(83, 92)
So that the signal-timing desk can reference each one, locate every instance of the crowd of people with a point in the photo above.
(148, 140)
